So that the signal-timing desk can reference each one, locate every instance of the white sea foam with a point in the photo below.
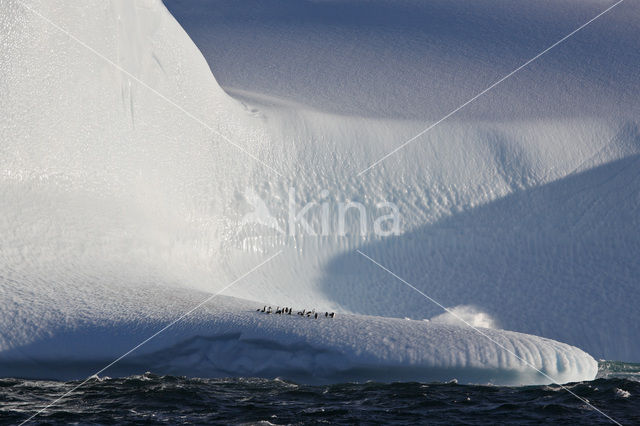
(622, 393)
(465, 315)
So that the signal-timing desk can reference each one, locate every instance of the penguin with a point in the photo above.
(316, 316)
(264, 309)
(326, 314)
(331, 315)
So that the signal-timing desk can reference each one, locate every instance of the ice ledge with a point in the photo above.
(229, 338)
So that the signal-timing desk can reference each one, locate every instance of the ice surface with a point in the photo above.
(119, 209)
(523, 204)
(227, 337)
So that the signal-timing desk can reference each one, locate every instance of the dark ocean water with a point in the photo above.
(151, 399)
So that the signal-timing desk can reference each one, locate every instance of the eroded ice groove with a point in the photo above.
(111, 193)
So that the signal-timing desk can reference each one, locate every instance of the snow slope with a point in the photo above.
(123, 202)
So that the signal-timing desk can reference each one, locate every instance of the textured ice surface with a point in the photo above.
(523, 205)
(227, 337)
(118, 208)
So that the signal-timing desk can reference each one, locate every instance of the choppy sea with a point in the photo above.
(152, 399)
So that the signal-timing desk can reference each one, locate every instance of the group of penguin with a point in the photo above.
(288, 311)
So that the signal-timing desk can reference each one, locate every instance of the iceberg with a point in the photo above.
(128, 174)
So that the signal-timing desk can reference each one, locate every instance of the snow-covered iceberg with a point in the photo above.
(126, 172)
